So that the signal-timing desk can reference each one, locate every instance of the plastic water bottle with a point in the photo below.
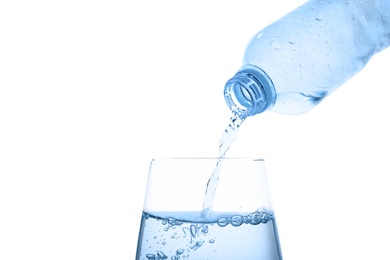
(294, 63)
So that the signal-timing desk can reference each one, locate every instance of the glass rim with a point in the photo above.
(210, 158)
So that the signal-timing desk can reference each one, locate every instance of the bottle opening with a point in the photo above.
(239, 96)
(249, 92)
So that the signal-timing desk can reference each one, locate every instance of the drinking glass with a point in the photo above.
(208, 208)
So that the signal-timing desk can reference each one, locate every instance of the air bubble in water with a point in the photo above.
(265, 218)
(237, 221)
(222, 222)
(193, 230)
(256, 218)
(187, 234)
(197, 245)
(205, 229)
(174, 222)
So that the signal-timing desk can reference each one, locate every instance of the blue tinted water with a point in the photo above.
(222, 236)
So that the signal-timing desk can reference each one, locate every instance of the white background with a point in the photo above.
(91, 91)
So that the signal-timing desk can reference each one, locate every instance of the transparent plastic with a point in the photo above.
(307, 54)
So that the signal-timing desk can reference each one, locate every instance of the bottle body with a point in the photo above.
(313, 50)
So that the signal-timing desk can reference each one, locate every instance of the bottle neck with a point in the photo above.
(249, 92)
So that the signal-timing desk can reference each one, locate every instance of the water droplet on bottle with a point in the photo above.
(319, 17)
(151, 257)
(161, 255)
(276, 46)
(211, 241)
(179, 251)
